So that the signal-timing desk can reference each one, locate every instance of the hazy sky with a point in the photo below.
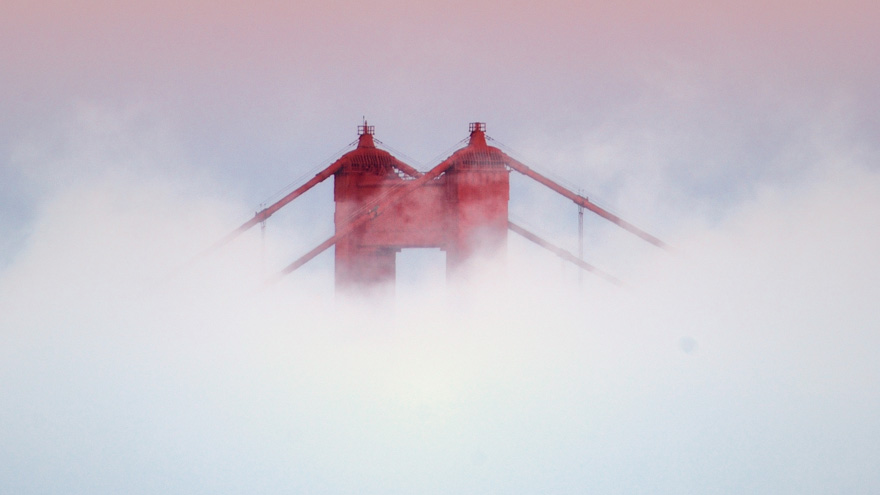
(742, 133)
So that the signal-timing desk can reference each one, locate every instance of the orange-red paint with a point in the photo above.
(461, 210)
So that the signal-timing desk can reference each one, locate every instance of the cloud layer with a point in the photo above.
(744, 361)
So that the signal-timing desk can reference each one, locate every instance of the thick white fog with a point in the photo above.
(745, 360)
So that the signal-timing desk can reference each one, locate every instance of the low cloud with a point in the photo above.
(743, 361)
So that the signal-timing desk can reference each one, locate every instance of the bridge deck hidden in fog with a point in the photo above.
(384, 205)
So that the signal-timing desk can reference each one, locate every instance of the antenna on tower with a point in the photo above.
(366, 128)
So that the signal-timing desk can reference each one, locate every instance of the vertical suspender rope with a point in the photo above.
(580, 238)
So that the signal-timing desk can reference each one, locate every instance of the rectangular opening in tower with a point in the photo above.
(420, 268)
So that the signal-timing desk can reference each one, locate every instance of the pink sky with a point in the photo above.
(96, 48)
(266, 74)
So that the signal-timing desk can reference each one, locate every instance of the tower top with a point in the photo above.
(365, 135)
(478, 134)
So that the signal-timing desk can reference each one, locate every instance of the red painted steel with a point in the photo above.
(321, 176)
(461, 208)
(384, 205)
(586, 203)
(271, 209)
(562, 253)
(362, 217)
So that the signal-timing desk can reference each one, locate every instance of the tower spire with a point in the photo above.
(365, 135)
(478, 134)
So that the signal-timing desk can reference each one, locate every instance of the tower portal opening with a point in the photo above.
(418, 268)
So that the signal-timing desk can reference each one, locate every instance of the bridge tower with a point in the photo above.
(462, 211)
(460, 206)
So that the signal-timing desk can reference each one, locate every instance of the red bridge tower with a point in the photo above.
(384, 205)
(461, 211)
